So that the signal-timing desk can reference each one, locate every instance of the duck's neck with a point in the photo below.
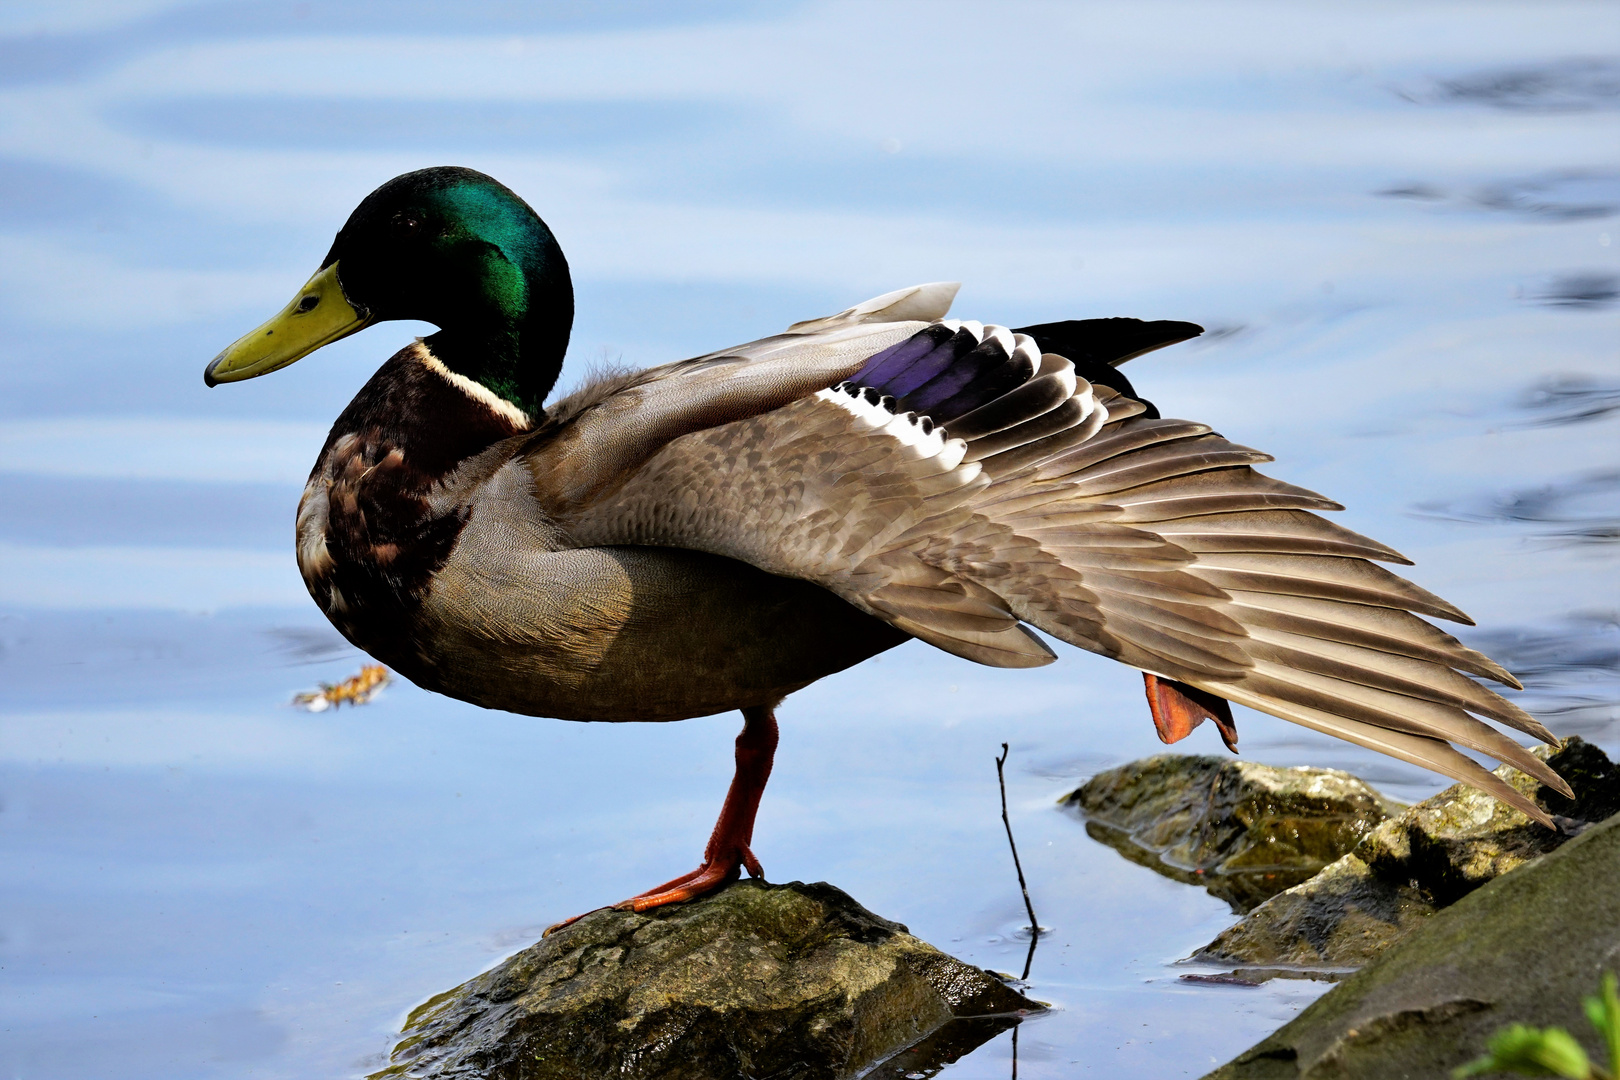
(494, 395)
(514, 363)
(383, 509)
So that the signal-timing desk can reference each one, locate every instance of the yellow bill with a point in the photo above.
(318, 315)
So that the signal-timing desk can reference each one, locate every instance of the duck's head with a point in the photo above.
(448, 246)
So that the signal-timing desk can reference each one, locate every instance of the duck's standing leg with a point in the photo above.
(728, 850)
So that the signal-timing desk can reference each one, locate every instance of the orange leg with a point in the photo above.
(1178, 708)
(728, 852)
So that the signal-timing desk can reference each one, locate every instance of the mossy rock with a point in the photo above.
(1340, 919)
(1243, 830)
(793, 981)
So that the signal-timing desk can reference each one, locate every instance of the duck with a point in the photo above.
(717, 533)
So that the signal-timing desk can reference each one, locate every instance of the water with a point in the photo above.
(1397, 222)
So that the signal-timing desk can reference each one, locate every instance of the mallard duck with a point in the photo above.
(717, 533)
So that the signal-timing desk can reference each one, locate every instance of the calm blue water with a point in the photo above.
(1398, 222)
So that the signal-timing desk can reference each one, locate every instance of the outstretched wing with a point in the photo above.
(960, 484)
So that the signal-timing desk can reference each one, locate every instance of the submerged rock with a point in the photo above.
(1523, 948)
(1243, 830)
(793, 981)
(1422, 860)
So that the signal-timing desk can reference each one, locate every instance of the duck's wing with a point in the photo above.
(960, 484)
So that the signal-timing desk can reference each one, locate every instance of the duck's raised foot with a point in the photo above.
(1178, 708)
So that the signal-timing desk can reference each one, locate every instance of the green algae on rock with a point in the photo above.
(1523, 948)
(1243, 830)
(1423, 859)
(796, 981)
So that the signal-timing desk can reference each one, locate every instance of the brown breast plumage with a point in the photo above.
(373, 524)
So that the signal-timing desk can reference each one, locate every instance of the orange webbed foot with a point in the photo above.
(712, 876)
(1178, 708)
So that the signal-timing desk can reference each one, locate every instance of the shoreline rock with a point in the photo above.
(1524, 948)
(793, 981)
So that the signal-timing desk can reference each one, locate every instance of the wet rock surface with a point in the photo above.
(1523, 948)
(1338, 920)
(1423, 859)
(797, 982)
(1242, 830)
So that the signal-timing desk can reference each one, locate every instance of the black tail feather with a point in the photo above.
(1097, 347)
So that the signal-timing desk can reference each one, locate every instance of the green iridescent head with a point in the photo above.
(449, 246)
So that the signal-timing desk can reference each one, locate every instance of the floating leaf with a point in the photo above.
(356, 690)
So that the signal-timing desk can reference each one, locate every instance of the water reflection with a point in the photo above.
(1570, 669)
(1243, 890)
(1556, 197)
(1586, 289)
(309, 644)
(1420, 192)
(945, 1047)
(1583, 643)
(1577, 195)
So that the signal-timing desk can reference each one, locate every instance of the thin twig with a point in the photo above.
(1034, 925)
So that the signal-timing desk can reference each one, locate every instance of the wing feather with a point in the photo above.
(1425, 751)
(1412, 676)
(1397, 712)
(1391, 630)
(1279, 531)
(1328, 577)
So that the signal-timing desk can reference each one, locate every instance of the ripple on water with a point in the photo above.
(1573, 85)
(1559, 196)
(1588, 289)
(1560, 400)
(1570, 669)
(1582, 509)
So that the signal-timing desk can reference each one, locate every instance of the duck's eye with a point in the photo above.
(307, 303)
(405, 225)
